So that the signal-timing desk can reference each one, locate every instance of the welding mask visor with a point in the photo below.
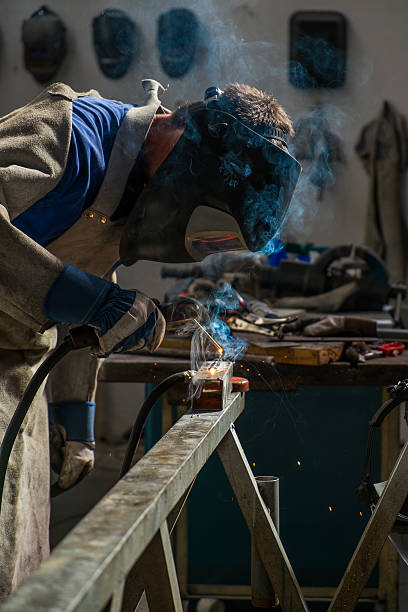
(223, 187)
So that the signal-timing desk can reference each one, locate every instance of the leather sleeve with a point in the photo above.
(27, 271)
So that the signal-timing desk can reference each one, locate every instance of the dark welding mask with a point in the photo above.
(44, 44)
(116, 41)
(177, 41)
(223, 187)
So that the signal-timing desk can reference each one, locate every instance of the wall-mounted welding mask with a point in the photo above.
(223, 187)
(44, 42)
(177, 41)
(116, 41)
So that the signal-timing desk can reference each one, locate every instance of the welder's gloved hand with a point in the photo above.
(72, 441)
(124, 319)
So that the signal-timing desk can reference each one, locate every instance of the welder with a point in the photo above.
(87, 183)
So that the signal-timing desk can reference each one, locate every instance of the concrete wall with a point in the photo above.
(247, 41)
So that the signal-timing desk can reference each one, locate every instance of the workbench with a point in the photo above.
(281, 377)
(266, 377)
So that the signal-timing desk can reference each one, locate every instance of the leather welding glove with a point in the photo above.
(72, 441)
(124, 319)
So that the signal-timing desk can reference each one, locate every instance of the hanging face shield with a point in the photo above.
(44, 42)
(223, 187)
(116, 41)
(177, 41)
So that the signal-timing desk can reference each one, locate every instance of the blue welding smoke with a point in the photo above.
(223, 300)
(219, 303)
(319, 64)
(223, 55)
(318, 147)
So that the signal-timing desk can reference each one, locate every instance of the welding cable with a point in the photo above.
(80, 337)
(24, 405)
(144, 412)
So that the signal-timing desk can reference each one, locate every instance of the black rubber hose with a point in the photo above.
(141, 418)
(24, 405)
(79, 337)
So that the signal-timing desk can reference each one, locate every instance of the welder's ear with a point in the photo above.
(116, 41)
(44, 42)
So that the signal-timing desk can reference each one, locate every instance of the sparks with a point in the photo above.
(330, 509)
(298, 462)
(212, 370)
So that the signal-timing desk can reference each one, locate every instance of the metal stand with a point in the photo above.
(373, 538)
(123, 547)
(270, 548)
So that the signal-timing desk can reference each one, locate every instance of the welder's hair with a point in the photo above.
(253, 107)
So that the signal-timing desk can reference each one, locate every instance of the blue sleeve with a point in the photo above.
(76, 417)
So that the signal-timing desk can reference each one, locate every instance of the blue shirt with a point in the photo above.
(95, 122)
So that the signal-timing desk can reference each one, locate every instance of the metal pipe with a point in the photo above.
(262, 592)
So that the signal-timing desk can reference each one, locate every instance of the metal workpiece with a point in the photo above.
(262, 591)
(212, 386)
(91, 565)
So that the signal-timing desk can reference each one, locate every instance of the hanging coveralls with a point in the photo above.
(383, 149)
(35, 145)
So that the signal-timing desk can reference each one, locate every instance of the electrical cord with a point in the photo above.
(79, 337)
(24, 405)
(144, 412)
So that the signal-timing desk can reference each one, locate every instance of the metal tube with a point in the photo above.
(262, 592)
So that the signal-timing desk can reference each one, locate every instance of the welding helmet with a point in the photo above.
(115, 41)
(44, 44)
(223, 187)
(177, 40)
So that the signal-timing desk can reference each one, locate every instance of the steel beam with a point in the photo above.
(91, 563)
